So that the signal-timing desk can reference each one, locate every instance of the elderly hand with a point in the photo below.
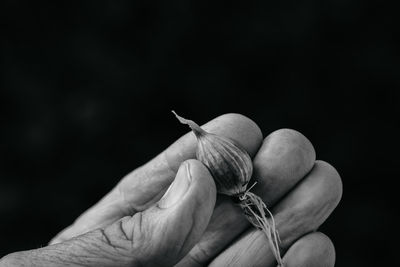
(147, 221)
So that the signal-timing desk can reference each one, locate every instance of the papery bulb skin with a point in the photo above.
(229, 164)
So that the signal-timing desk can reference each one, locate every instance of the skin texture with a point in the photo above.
(192, 225)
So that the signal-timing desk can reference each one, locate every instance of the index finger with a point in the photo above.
(144, 186)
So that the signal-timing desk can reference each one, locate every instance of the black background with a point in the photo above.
(87, 89)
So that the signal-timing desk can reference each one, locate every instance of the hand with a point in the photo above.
(141, 223)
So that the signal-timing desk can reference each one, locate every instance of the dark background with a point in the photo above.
(87, 89)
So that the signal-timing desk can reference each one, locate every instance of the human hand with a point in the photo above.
(136, 224)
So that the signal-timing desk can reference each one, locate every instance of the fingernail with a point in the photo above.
(178, 188)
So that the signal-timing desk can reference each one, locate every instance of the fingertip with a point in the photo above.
(293, 140)
(183, 213)
(193, 181)
(201, 177)
(283, 159)
(239, 128)
(178, 189)
(202, 193)
(332, 179)
(312, 250)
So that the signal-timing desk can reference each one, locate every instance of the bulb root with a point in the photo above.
(261, 217)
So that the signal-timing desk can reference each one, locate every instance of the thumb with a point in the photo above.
(166, 232)
(159, 236)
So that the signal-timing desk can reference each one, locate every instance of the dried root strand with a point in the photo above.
(260, 217)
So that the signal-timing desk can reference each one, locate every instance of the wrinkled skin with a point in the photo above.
(138, 224)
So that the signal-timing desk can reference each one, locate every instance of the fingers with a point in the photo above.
(300, 212)
(312, 250)
(159, 236)
(145, 186)
(309, 204)
(284, 158)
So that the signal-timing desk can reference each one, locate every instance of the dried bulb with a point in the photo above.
(229, 164)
